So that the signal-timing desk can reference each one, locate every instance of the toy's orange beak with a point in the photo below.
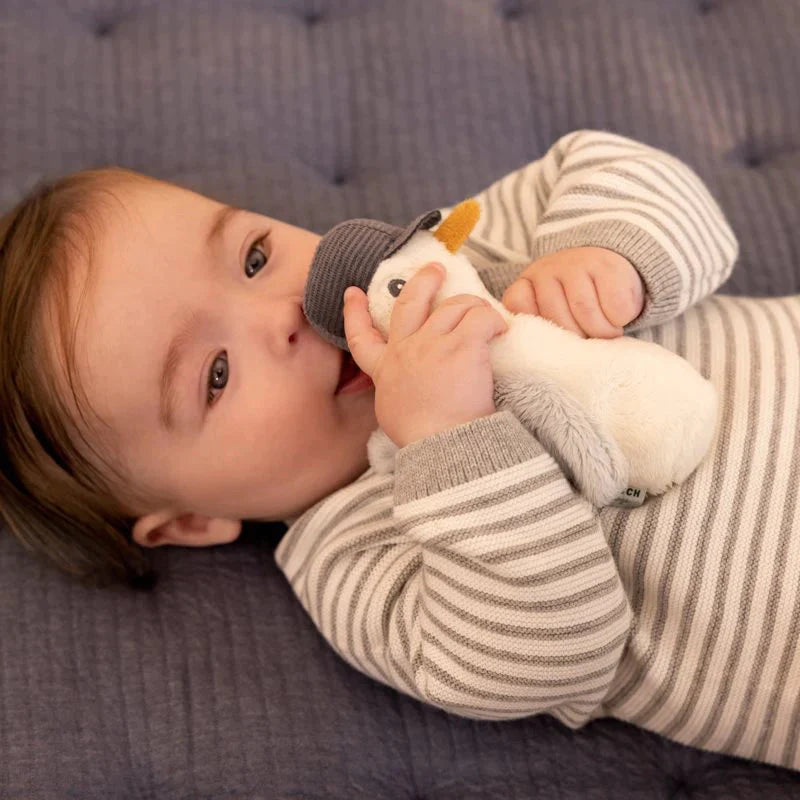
(458, 224)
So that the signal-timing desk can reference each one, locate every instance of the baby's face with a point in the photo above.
(256, 429)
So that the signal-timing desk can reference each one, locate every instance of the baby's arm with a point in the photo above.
(598, 189)
(477, 580)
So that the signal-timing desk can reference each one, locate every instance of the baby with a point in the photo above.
(475, 577)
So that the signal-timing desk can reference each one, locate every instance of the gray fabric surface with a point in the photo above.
(216, 684)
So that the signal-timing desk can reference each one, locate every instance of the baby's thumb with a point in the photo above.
(520, 297)
(363, 340)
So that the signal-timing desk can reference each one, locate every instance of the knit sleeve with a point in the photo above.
(599, 189)
(475, 579)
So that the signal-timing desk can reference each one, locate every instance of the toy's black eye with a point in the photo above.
(395, 286)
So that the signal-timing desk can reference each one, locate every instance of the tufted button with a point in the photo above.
(339, 179)
(103, 28)
(705, 6)
(753, 160)
(510, 9)
(678, 787)
(748, 153)
(313, 17)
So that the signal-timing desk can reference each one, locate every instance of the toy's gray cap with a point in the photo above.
(348, 255)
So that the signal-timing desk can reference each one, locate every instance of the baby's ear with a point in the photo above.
(184, 530)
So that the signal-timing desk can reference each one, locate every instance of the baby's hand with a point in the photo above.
(434, 372)
(592, 291)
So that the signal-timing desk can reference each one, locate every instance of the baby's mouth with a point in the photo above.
(347, 371)
(349, 374)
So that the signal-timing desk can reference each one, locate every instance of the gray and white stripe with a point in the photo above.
(594, 188)
(711, 567)
(495, 603)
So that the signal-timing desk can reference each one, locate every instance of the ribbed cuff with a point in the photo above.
(462, 454)
(661, 279)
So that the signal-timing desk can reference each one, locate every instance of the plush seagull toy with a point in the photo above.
(622, 417)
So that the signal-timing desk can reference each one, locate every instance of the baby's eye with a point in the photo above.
(217, 373)
(256, 258)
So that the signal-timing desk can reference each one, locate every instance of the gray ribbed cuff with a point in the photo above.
(661, 279)
(462, 454)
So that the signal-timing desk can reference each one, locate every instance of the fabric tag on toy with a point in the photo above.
(630, 497)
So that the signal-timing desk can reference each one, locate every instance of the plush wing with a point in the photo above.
(381, 451)
(589, 457)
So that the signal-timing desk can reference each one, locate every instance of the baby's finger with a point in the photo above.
(553, 305)
(621, 299)
(520, 297)
(413, 304)
(450, 312)
(363, 340)
(584, 304)
(480, 323)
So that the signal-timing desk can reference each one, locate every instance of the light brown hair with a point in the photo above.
(58, 486)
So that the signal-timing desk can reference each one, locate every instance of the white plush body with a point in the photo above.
(620, 412)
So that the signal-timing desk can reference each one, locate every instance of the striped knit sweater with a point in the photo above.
(476, 579)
